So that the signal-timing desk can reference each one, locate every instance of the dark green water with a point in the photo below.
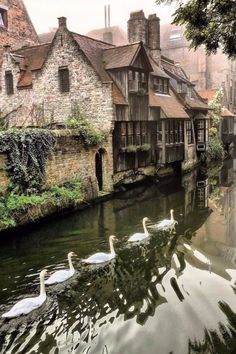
(170, 294)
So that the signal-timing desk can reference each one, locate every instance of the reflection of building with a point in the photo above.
(206, 72)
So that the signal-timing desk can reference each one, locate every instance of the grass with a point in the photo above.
(17, 207)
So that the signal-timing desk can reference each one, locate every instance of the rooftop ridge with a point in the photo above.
(95, 40)
(124, 45)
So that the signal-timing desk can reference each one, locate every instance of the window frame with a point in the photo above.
(64, 82)
(9, 83)
(4, 17)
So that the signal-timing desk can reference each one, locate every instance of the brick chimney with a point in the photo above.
(137, 27)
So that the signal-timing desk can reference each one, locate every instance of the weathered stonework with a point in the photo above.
(70, 159)
(44, 103)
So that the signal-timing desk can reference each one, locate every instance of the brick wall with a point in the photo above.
(19, 30)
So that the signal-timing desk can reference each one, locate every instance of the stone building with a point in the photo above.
(207, 72)
(144, 104)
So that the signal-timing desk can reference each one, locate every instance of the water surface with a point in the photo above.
(170, 294)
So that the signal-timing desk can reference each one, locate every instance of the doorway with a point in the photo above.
(99, 168)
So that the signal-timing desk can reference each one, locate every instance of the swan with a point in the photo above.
(63, 274)
(25, 306)
(101, 257)
(166, 224)
(139, 236)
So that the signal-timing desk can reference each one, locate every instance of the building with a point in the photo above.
(144, 103)
(206, 72)
(16, 28)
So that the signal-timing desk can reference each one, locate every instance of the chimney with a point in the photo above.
(154, 36)
(137, 27)
(62, 22)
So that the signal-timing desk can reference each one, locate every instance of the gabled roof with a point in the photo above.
(169, 104)
(124, 56)
(93, 50)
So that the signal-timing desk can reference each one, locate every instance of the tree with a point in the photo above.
(208, 22)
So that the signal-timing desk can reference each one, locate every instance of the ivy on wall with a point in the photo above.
(27, 152)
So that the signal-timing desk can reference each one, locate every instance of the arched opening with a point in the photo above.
(99, 168)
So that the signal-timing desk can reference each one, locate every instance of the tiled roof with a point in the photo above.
(25, 80)
(93, 50)
(226, 113)
(120, 57)
(174, 70)
(196, 102)
(157, 71)
(117, 96)
(34, 56)
(169, 104)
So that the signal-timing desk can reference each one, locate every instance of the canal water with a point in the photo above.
(171, 294)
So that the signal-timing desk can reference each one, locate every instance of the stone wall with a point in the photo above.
(70, 159)
(44, 103)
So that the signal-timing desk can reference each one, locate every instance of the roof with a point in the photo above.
(174, 70)
(118, 35)
(124, 56)
(93, 50)
(170, 104)
(226, 113)
(196, 102)
(208, 94)
(157, 71)
(117, 96)
(32, 57)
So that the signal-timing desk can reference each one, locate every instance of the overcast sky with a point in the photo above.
(84, 15)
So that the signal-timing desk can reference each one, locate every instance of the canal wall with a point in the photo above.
(71, 159)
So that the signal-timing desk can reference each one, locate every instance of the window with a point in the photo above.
(64, 80)
(189, 132)
(9, 83)
(137, 80)
(201, 130)
(3, 17)
(174, 131)
(161, 85)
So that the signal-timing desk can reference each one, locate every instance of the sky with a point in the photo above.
(85, 15)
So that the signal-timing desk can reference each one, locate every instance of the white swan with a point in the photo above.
(102, 257)
(166, 224)
(61, 275)
(25, 306)
(139, 236)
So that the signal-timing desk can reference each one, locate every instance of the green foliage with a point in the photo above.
(215, 149)
(131, 148)
(90, 135)
(144, 147)
(27, 152)
(216, 107)
(13, 205)
(208, 22)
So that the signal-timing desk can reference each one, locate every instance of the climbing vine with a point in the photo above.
(27, 152)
